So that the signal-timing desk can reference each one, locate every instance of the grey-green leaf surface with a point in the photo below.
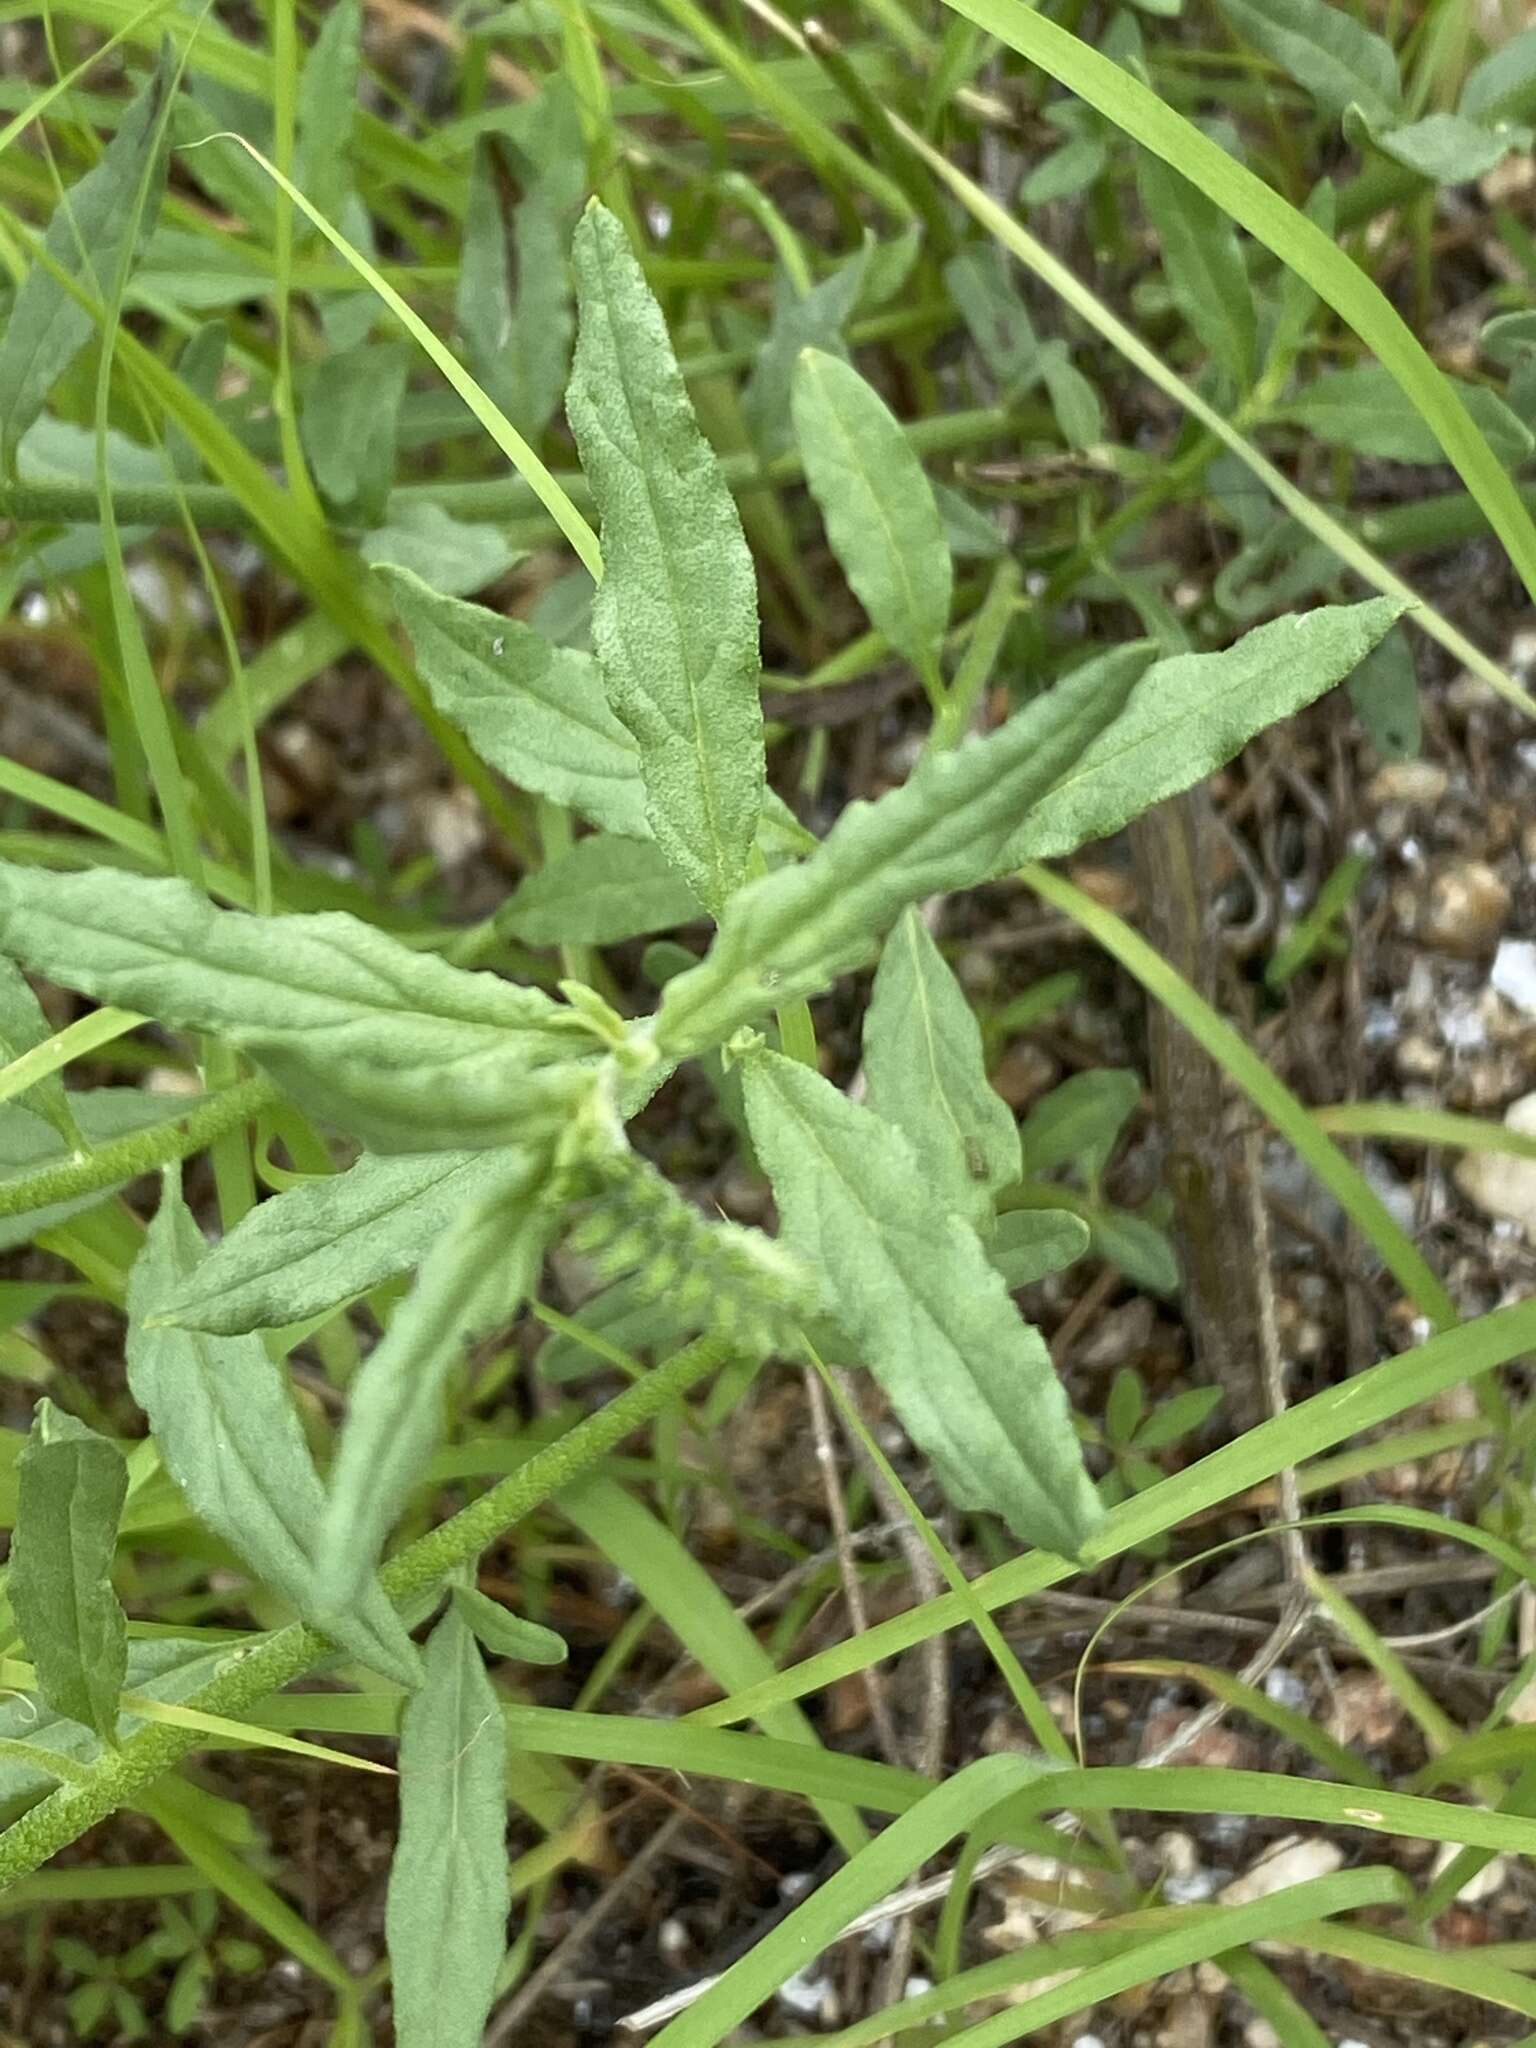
(350, 419)
(27, 1143)
(813, 319)
(927, 1076)
(792, 932)
(506, 1634)
(229, 1436)
(73, 1484)
(1030, 1243)
(675, 619)
(327, 1240)
(535, 712)
(1203, 264)
(1191, 713)
(445, 1917)
(403, 1050)
(48, 326)
(877, 504)
(1450, 150)
(469, 1285)
(1384, 690)
(1078, 1122)
(1502, 86)
(326, 110)
(1363, 408)
(23, 1026)
(1137, 1246)
(929, 1314)
(1334, 56)
(995, 315)
(603, 889)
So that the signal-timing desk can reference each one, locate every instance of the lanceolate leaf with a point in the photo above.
(535, 712)
(48, 327)
(791, 932)
(1029, 1243)
(675, 621)
(929, 1315)
(1192, 712)
(601, 890)
(73, 1484)
(446, 1914)
(405, 1051)
(923, 1059)
(23, 1026)
(1203, 264)
(27, 1143)
(327, 1240)
(505, 1634)
(1336, 58)
(878, 505)
(813, 320)
(1362, 408)
(230, 1437)
(470, 1285)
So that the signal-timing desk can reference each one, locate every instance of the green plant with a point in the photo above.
(455, 1102)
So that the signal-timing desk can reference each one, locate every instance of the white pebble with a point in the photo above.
(1514, 974)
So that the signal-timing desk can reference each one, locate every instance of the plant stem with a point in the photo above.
(276, 1660)
(139, 1152)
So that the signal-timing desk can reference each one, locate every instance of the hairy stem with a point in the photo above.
(276, 1660)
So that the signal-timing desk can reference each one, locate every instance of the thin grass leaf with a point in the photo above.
(73, 1485)
(445, 1917)
(1297, 241)
(675, 619)
(228, 1432)
(470, 1284)
(878, 506)
(329, 1239)
(924, 1309)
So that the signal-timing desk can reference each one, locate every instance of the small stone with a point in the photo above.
(453, 826)
(1362, 1711)
(1292, 1861)
(1508, 179)
(1464, 910)
(1114, 888)
(1188, 2024)
(1419, 784)
(1218, 1748)
(1260, 2034)
(1178, 1854)
(1286, 1689)
(1501, 1185)
(1513, 974)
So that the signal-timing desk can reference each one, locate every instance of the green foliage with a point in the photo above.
(226, 1427)
(675, 621)
(446, 1916)
(879, 509)
(599, 891)
(73, 1485)
(918, 1300)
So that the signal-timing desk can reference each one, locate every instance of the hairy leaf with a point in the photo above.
(48, 326)
(878, 505)
(27, 1143)
(229, 1436)
(814, 319)
(405, 1051)
(535, 712)
(1450, 150)
(1365, 409)
(23, 1026)
(1335, 57)
(1029, 1243)
(1192, 712)
(675, 620)
(1203, 265)
(926, 1310)
(601, 890)
(1078, 1122)
(446, 1913)
(505, 1634)
(923, 1059)
(791, 932)
(73, 1485)
(469, 1285)
(327, 1240)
